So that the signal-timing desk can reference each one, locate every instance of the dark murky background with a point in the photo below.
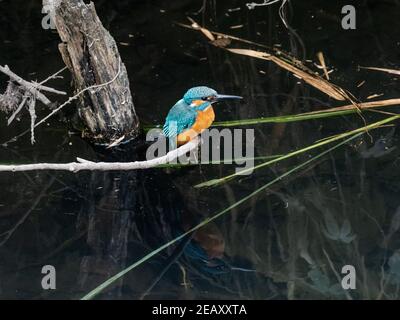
(290, 242)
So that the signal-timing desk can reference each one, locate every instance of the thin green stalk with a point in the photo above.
(114, 278)
(277, 119)
(283, 119)
(215, 182)
(222, 161)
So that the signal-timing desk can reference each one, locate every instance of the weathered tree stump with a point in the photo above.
(92, 56)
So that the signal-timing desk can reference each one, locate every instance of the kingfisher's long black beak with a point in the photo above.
(220, 97)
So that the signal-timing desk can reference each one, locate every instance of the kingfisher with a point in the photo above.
(192, 114)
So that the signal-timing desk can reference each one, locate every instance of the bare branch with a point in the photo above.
(70, 99)
(18, 94)
(32, 88)
(83, 164)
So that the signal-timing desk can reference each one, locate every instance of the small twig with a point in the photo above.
(54, 76)
(48, 89)
(11, 119)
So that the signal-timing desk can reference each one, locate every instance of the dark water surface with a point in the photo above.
(289, 242)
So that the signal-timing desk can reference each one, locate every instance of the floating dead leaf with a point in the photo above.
(362, 106)
(252, 53)
(206, 32)
(391, 71)
(376, 95)
(361, 84)
(236, 27)
(313, 79)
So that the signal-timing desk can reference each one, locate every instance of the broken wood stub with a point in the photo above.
(92, 56)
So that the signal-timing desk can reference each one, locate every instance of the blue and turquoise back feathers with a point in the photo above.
(181, 117)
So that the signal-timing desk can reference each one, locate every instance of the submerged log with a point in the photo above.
(92, 56)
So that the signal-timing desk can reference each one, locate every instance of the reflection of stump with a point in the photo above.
(92, 56)
(126, 216)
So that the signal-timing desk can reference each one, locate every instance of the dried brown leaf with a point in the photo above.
(391, 71)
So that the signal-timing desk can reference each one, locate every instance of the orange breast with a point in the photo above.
(203, 121)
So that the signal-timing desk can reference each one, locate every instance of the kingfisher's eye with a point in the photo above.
(209, 98)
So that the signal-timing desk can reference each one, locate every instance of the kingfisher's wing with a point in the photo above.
(180, 117)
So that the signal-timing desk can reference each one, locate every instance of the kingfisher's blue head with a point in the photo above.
(205, 94)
